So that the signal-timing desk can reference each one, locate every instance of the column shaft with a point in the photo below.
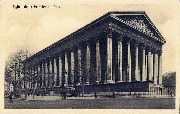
(55, 73)
(120, 60)
(60, 71)
(57, 70)
(35, 76)
(156, 69)
(146, 69)
(41, 73)
(50, 73)
(143, 65)
(44, 80)
(152, 66)
(88, 64)
(63, 70)
(72, 67)
(149, 66)
(69, 68)
(79, 66)
(137, 78)
(66, 69)
(109, 59)
(98, 63)
(160, 69)
(129, 63)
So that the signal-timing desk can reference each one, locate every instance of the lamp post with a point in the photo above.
(26, 74)
(15, 80)
(82, 85)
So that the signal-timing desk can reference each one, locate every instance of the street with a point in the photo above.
(92, 103)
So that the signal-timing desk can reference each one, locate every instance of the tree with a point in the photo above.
(14, 68)
(169, 80)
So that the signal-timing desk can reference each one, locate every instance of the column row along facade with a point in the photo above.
(125, 61)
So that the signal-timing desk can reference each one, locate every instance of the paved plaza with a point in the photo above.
(126, 102)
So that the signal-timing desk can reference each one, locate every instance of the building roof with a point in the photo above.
(136, 20)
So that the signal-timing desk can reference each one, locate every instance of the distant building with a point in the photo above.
(120, 51)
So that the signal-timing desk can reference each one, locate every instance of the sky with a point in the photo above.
(39, 28)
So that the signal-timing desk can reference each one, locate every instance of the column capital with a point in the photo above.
(79, 47)
(88, 43)
(136, 45)
(119, 38)
(143, 47)
(159, 52)
(128, 42)
(109, 34)
(153, 50)
(149, 48)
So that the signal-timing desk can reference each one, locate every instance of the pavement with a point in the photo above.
(30, 98)
(56, 97)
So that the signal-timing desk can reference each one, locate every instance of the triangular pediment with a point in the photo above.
(139, 21)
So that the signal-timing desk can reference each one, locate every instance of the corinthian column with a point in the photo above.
(109, 59)
(50, 73)
(146, 67)
(88, 64)
(143, 64)
(120, 60)
(155, 68)
(98, 63)
(60, 71)
(137, 77)
(45, 75)
(160, 68)
(55, 72)
(42, 74)
(129, 63)
(72, 68)
(149, 66)
(66, 69)
(79, 65)
(152, 66)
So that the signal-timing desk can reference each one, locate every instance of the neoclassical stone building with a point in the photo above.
(120, 51)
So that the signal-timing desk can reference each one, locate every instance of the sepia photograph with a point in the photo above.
(60, 55)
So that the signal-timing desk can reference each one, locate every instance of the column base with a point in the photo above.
(119, 81)
(97, 82)
(78, 84)
(87, 83)
(110, 81)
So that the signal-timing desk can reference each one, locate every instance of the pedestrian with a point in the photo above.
(28, 93)
(64, 94)
(10, 97)
(95, 95)
(113, 94)
(42, 93)
(171, 94)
